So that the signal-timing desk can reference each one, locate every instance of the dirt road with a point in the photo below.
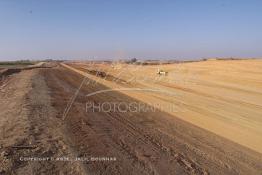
(114, 142)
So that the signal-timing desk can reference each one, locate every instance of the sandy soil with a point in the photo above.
(32, 108)
(211, 94)
(145, 143)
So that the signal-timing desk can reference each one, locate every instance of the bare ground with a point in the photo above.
(30, 128)
(32, 106)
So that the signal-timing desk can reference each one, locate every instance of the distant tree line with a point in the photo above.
(19, 62)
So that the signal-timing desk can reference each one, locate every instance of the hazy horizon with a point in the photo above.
(120, 30)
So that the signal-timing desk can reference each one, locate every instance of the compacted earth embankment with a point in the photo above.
(44, 114)
(30, 132)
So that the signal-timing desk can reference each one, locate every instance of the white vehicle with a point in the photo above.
(161, 72)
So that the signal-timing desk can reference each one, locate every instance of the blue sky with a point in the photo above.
(149, 29)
